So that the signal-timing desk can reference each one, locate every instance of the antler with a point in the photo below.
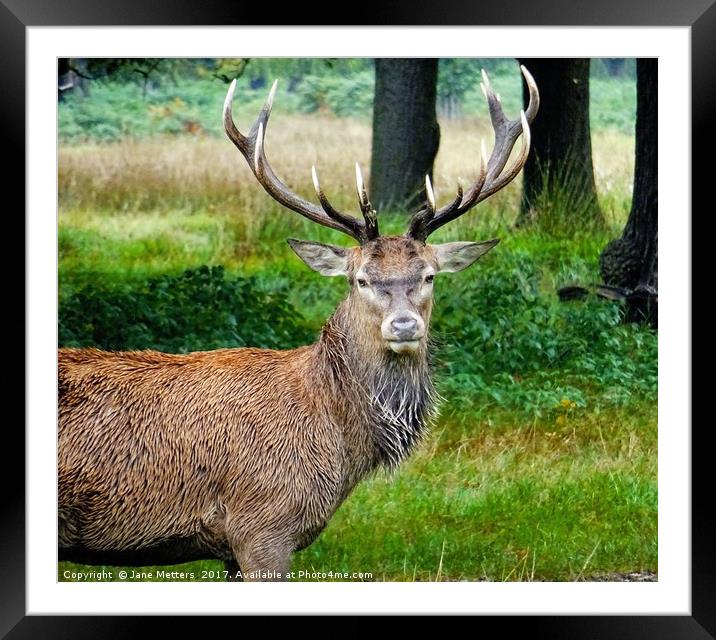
(252, 148)
(490, 178)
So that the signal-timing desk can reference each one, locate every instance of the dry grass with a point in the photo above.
(192, 174)
(161, 173)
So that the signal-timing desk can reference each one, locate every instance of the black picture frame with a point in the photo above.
(700, 15)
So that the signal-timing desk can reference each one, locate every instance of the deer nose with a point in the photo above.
(404, 327)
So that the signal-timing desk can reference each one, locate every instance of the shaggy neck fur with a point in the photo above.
(384, 398)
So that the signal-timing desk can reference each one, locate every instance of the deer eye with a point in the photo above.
(362, 283)
(429, 278)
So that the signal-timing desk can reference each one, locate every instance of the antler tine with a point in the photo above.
(423, 219)
(251, 147)
(501, 180)
(430, 194)
(491, 178)
(339, 217)
(506, 131)
(369, 215)
(533, 106)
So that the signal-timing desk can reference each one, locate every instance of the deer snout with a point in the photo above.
(404, 328)
(403, 331)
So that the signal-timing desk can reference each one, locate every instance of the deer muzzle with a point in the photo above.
(403, 332)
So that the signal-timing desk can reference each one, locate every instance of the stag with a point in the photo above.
(243, 455)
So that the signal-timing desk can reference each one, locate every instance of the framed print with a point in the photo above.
(115, 172)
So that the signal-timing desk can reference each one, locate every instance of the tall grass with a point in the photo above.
(205, 174)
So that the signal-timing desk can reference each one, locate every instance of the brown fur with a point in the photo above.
(236, 454)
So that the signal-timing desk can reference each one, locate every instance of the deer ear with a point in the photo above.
(456, 256)
(327, 259)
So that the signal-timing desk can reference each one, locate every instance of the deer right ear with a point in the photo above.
(327, 259)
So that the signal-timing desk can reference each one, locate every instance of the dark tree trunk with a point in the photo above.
(560, 162)
(405, 131)
(72, 74)
(631, 261)
(64, 77)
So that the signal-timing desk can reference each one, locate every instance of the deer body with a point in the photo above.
(244, 454)
(246, 447)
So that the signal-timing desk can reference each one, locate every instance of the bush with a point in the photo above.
(348, 96)
(198, 310)
(516, 346)
(114, 110)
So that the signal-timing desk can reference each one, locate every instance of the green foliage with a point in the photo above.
(198, 310)
(137, 98)
(266, 70)
(614, 67)
(460, 76)
(456, 76)
(137, 70)
(613, 103)
(515, 347)
(116, 110)
(343, 96)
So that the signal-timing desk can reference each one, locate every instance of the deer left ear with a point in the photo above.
(456, 256)
(327, 259)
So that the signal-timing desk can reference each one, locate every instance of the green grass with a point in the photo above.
(542, 465)
(498, 500)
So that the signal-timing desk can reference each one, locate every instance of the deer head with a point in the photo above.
(391, 277)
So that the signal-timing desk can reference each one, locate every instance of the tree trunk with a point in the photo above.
(559, 168)
(631, 261)
(405, 131)
(64, 77)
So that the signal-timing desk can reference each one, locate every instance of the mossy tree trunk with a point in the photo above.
(405, 131)
(631, 261)
(559, 167)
